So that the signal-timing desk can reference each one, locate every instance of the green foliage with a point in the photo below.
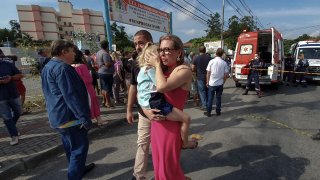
(236, 27)
(303, 37)
(287, 45)
(214, 26)
(120, 37)
(88, 39)
(6, 35)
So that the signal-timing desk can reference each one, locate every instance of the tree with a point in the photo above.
(303, 37)
(15, 28)
(120, 37)
(247, 23)
(214, 26)
(234, 30)
(236, 27)
(6, 35)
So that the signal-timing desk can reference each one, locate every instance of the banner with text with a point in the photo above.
(138, 14)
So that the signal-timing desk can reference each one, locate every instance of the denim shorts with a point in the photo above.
(106, 81)
(158, 101)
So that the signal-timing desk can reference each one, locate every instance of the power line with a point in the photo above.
(200, 20)
(207, 15)
(196, 8)
(234, 7)
(247, 8)
(204, 6)
(187, 10)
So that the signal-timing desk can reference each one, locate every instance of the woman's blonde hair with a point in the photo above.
(115, 56)
(147, 48)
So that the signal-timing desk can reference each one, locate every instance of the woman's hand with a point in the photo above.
(152, 59)
(152, 114)
(5, 80)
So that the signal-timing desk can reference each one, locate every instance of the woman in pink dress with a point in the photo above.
(174, 81)
(84, 73)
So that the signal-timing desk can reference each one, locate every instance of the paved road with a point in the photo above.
(267, 138)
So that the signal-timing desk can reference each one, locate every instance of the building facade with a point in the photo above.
(45, 23)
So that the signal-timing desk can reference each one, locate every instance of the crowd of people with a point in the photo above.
(158, 78)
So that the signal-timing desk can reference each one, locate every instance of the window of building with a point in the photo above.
(59, 18)
(60, 28)
(71, 33)
(66, 32)
(65, 23)
(70, 24)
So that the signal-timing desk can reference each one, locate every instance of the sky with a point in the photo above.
(291, 17)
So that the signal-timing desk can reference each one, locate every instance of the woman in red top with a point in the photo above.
(174, 81)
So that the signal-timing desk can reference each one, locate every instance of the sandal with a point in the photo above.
(109, 106)
(102, 123)
(191, 144)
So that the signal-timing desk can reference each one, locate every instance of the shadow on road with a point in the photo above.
(255, 162)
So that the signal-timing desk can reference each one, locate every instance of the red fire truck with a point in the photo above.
(269, 43)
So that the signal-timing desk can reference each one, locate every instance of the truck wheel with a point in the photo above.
(237, 84)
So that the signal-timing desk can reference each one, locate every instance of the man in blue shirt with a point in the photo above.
(68, 106)
(10, 103)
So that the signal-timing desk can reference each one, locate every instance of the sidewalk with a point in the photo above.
(38, 141)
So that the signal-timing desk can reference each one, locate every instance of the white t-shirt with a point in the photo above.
(218, 68)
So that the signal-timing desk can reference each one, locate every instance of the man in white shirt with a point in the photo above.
(217, 73)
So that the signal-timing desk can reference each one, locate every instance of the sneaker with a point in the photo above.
(316, 136)
(218, 113)
(88, 168)
(203, 108)
(14, 140)
(207, 114)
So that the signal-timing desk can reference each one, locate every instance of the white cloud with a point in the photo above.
(191, 32)
(315, 33)
(306, 11)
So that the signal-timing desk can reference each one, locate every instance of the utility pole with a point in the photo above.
(222, 25)
(8, 42)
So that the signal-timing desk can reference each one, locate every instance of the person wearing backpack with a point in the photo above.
(117, 76)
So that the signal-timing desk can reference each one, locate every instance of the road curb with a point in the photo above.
(27, 163)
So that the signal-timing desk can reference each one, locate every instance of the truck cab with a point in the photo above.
(311, 51)
(269, 43)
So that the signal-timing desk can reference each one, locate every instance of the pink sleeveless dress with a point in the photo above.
(85, 75)
(166, 141)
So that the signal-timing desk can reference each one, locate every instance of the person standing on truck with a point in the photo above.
(254, 65)
(301, 70)
(288, 68)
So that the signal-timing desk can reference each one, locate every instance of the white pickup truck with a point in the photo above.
(311, 51)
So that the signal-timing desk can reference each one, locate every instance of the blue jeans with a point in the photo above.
(10, 111)
(76, 144)
(202, 89)
(214, 90)
(255, 77)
